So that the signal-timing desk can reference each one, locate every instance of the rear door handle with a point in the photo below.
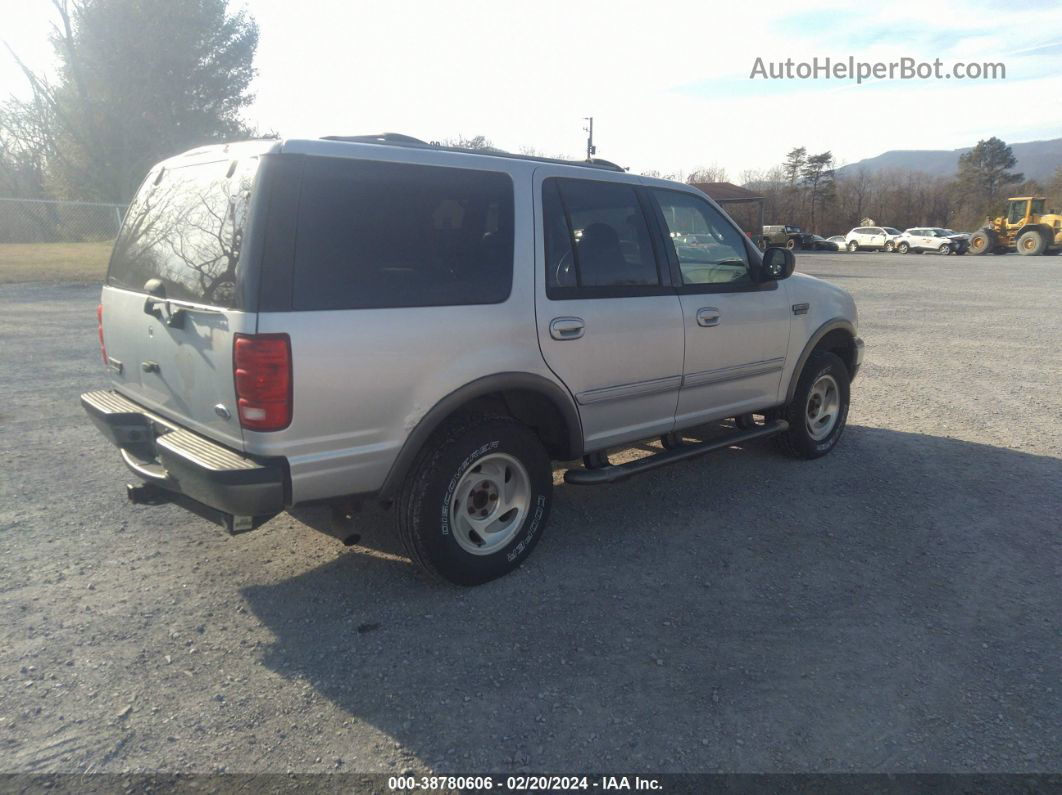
(566, 328)
(708, 316)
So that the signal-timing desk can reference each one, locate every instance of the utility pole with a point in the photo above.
(591, 150)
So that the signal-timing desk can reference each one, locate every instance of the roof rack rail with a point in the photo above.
(600, 161)
(400, 139)
(382, 138)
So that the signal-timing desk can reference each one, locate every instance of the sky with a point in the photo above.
(666, 82)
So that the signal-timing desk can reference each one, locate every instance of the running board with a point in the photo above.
(617, 472)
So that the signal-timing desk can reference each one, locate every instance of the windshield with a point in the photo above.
(1038, 206)
(892, 231)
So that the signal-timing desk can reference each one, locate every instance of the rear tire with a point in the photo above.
(1032, 243)
(485, 478)
(818, 412)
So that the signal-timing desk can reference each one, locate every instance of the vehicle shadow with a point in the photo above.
(892, 607)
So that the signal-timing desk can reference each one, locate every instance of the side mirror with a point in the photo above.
(778, 263)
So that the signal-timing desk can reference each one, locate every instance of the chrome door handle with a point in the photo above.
(708, 316)
(566, 328)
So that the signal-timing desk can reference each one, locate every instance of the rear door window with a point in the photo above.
(597, 239)
(373, 235)
(185, 227)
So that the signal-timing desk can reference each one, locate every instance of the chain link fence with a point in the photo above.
(48, 221)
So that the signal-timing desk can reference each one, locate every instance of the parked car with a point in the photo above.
(838, 240)
(819, 243)
(379, 320)
(790, 237)
(922, 239)
(873, 238)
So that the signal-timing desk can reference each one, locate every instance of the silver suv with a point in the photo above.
(378, 319)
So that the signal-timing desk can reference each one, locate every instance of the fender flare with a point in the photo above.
(1043, 229)
(499, 382)
(830, 325)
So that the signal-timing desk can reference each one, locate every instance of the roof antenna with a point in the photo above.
(591, 150)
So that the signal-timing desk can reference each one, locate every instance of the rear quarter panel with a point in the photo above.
(364, 378)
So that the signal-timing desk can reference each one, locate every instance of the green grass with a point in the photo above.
(53, 262)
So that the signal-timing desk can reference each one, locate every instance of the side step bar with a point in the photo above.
(617, 472)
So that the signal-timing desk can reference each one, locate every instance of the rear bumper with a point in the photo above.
(190, 467)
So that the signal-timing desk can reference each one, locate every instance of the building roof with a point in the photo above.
(726, 191)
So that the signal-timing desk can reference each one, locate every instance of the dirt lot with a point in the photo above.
(892, 607)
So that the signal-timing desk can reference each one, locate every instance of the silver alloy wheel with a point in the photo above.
(490, 503)
(823, 408)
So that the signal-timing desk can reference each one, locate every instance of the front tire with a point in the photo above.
(818, 412)
(889, 247)
(945, 250)
(853, 247)
(903, 248)
(476, 500)
(981, 242)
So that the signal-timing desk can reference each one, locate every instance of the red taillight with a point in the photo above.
(262, 368)
(99, 328)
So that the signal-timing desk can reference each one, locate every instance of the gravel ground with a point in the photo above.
(892, 607)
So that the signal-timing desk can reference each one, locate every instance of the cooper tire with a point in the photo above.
(800, 440)
(427, 514)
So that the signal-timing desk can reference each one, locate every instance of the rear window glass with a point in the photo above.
(374, 234)
(186, 228)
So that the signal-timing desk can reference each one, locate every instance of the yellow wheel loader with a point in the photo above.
(1025, 228)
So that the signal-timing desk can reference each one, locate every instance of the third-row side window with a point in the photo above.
(374, 234)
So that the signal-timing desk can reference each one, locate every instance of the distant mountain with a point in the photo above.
(1036, 159)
